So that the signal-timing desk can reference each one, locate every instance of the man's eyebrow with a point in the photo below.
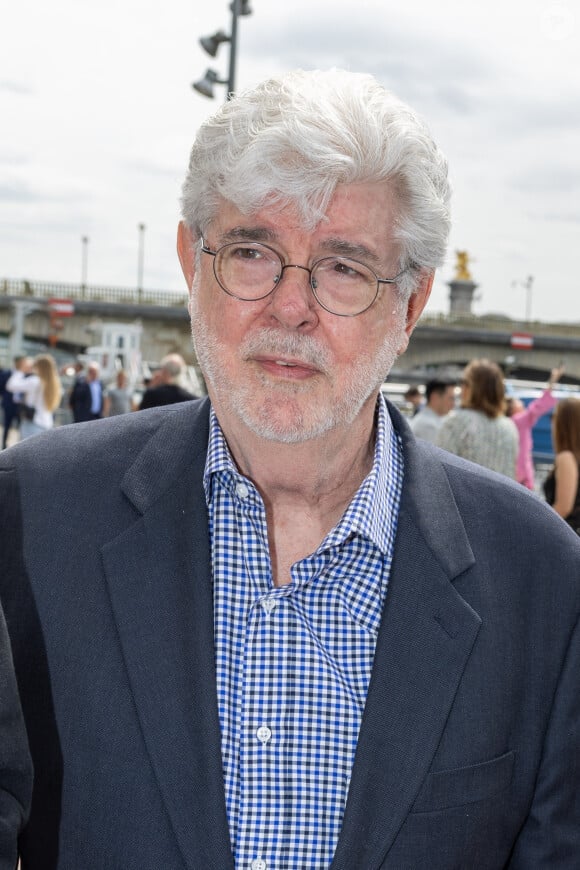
(248, 234)
(328, 247)
(353, 250)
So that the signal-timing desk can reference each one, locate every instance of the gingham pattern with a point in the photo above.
(294, 663)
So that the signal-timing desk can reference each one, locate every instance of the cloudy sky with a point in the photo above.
(98, 116)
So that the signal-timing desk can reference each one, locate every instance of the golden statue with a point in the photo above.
(462, 272)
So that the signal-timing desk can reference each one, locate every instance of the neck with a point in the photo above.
(306, 470)
(305, 487)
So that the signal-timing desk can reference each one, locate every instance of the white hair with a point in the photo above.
(294, 138)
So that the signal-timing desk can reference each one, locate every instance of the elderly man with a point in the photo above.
(275, 631)
(167, 388)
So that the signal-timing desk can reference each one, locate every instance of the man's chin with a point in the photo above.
(284, 422)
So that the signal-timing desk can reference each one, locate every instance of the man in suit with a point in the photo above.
(10, 401)
(86, 397)
(167, 389)
(271, 629)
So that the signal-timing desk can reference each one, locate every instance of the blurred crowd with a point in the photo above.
(34, 397)
(474, 418)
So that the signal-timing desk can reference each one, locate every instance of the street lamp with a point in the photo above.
(140, 258)
(527, 285)
(211, 44)
(84, 262)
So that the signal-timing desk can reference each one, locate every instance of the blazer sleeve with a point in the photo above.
(15, 763)
(550, 838)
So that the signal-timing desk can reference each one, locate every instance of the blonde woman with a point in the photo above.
(561, 486)
(40, 391)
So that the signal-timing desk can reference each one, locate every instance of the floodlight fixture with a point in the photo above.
(244, 7)
(210, 44)
(205, 85)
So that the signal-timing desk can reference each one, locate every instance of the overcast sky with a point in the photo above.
(98, 116)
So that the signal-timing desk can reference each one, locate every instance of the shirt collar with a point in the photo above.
(219, 459)
(370, 514)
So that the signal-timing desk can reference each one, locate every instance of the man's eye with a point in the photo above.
(347, 270)
(246, 253)
(343, 268)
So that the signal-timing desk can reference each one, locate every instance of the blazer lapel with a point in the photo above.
(159, 580)
(425, 640)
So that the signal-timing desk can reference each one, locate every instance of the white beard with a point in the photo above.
(281, 410)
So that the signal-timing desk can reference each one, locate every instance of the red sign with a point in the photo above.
(522, 340)
(61, 307)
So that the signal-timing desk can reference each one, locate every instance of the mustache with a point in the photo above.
(304, 348)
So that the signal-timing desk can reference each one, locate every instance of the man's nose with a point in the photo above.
(293, 302)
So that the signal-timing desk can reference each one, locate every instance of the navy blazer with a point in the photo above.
(468, 754)
(15, 762)
(81, 400)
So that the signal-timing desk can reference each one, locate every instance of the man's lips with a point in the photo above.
(286, 355)
(289, 368)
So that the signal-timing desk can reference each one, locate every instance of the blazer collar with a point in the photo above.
(159, 579)
(177, 445)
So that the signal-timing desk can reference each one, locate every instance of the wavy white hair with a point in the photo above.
(294, 138)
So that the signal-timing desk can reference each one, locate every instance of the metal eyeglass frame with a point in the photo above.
(311, 282)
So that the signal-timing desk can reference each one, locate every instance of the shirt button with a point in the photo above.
(259, 864)
(268, 605)
(242, 490)
(263, 734)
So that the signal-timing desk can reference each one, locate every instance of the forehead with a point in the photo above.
(362, 213)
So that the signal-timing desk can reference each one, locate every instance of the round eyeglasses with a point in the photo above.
(250, 271)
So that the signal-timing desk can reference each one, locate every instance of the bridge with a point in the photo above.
(29, 313)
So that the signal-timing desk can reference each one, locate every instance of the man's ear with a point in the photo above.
(186, 252)
(415, 306)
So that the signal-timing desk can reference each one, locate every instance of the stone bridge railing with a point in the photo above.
(91, 293)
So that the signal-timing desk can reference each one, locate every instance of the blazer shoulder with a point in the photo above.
(450, 499)
(102, 444)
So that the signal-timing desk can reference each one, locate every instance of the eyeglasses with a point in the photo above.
(250, 271)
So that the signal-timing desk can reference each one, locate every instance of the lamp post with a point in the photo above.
(140, 259)
(527, 285)
(84, 262)
(211, 44)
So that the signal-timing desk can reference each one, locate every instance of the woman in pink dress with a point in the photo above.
(525, 419)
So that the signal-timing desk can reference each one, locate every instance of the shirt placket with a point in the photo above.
(276, 664)
(286, 644)
(259, 733)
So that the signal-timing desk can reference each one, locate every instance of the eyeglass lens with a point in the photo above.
(252, 271)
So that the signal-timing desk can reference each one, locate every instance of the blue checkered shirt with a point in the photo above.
(294, 662)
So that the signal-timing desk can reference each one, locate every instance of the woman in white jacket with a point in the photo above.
(40, 391)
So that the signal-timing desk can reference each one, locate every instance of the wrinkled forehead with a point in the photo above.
(361, 210)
